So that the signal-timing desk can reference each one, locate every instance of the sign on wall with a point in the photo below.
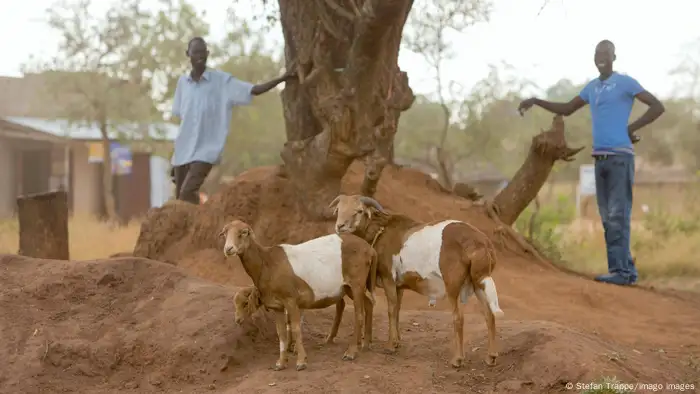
(95, 152)
(586, 180)
(121, 159)
(120, 156)
(586, 186)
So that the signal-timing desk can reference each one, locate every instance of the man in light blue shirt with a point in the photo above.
(611, 97)
(203, 101)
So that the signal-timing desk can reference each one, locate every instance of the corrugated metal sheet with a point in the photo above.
(80, 131)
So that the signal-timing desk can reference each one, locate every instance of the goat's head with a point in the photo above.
(352, 212)
(238, 236)
(247, 302)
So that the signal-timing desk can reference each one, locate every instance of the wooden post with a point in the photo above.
(43, 225)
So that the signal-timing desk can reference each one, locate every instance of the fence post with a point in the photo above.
(43, 225)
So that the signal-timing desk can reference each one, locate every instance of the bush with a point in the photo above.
(541, 224)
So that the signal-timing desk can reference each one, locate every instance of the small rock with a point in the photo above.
(272, 384)
(415, 324)
(212, 386)
(107, 279)
(366, 376)
(131, 385)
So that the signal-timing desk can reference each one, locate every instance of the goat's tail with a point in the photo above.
(372, 279)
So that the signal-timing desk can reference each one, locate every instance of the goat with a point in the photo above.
(310, 275)
(248, 301)
(442, 259)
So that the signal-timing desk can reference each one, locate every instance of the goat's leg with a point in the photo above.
(490, 324)
(339, 308)
(358, 297)
(393, 312)
(369, 312)
(281, 324)
(458, 326)
(295, 317)
(291, 343)
(399, 297)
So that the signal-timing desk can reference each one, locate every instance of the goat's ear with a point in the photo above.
(334, 204)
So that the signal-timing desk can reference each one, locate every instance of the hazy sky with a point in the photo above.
(558, 43)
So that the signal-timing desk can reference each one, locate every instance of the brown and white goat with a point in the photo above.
(442, 259)
(310, 275)
(248, 301)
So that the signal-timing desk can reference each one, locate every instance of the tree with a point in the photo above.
(429, 26)
(106, 68)
(349, 93)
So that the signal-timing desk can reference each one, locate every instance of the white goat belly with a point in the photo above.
(421, 254)
(318, 262)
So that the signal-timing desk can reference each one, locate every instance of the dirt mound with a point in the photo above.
(137, 325)
(265, 200)
(116, 325)
(536, 357)
(559, 327)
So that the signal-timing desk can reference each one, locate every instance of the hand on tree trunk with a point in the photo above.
(546, 148)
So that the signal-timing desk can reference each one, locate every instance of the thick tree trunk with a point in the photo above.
(43, 225)
(349, 94)
(546, 148)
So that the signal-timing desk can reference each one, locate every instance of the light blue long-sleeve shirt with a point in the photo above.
(204, 109)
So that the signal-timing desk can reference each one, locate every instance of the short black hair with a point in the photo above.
(198, 38)
(608, 43)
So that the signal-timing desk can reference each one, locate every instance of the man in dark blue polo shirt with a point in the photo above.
(610, 97)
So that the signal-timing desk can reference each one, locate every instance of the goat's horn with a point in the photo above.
(372, 202)
(334, 202)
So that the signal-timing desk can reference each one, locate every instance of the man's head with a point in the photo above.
(604, 56)
(198, 53)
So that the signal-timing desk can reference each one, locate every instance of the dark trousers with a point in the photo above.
(189, 178)
(614, 177)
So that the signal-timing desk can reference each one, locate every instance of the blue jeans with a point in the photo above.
(614, 177)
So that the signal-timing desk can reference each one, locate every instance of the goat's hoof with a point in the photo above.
(329, 340)
(365, 345)
(278, 367)
(301, 367)
(350, 355)
(457, 362)
(490, 360)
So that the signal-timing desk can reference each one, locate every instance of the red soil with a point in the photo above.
(137, 325)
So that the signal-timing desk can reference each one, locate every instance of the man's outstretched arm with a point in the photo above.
(564, 109)
(656, 108)
(267, 86)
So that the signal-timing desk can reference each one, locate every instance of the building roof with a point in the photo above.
(81, 131)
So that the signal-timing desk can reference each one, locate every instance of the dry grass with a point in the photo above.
(669, 261)
(89, 238)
